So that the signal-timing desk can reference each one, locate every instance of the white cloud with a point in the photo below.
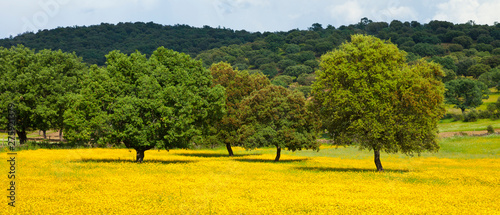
(461, 11)
(350, 11)
(399, 13)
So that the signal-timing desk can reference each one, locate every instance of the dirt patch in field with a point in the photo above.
(469, 133)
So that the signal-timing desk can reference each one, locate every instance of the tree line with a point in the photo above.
(170, 100)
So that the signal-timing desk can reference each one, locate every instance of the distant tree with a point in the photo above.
(477, 69)
(491, 78)
(285, 79)
(396, 25)
(306, 79)
(276, 116)
(238, 85)
(448, 75)
(447, 62)
(455, 48)
(366, 94)
(464, 41)
(285, 63)
(464, 64)
(297, 70)
(375, 27)
(312, 63)
(269, 69)
(38, 84)
(292, 49)
(316, 27)
(163, 102)
(465, 93)
(306, 90)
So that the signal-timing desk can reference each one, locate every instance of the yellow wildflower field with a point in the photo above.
(106, 181)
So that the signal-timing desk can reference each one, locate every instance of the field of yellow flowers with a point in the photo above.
(462, 179)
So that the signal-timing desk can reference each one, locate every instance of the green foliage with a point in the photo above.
(163, 102)
(477, 70)
(93, 42)
(297, 70)
(276, 116)
(378, 102)
(464, 41)
(471, 116)
(285, 63)
(306, 90)
(447, 62)
(283, 80)
(39, 84)
(448, 75)
(491, 78)
(238, 85)
(465, 93)
(269, 69)
(312, 63)
(455, 48)
(490, 129)
(306, 79)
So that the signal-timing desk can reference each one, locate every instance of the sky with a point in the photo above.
(18, 16)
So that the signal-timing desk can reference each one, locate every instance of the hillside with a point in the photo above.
(92, 43)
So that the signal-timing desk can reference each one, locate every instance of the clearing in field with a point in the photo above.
(461, 179)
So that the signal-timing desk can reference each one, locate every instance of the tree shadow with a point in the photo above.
(92, 160)
(336, 169)
(212, 155)
(260, 160)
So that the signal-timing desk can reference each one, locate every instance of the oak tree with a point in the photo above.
(368, 95)
(238, 85)
(162, 102)
(276, 116)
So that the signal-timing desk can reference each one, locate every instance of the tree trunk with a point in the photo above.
(44, 134)
(22, 136)
(60, 135)
(377, 160)
(278, 154)
(140, 155)
(463, 110)
(229, 149)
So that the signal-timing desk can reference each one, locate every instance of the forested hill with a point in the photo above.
(456, 46)
(92, 43)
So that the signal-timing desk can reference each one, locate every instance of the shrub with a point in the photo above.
(471, 116)
(490, 129)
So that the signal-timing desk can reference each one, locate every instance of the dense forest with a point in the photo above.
(290, 58)
(93, 42)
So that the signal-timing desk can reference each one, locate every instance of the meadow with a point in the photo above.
(463, 178)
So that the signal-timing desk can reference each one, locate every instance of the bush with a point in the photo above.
(490, 129)
(457, 117)
(471, 116)
(484, 114)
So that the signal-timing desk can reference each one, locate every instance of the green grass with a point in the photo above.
(461, 147)
(448, 125)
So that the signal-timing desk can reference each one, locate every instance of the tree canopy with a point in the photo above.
(38, 84)
(368, 95)
(238, 85)
(465, 93)
(276, 116)
(163, 102)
